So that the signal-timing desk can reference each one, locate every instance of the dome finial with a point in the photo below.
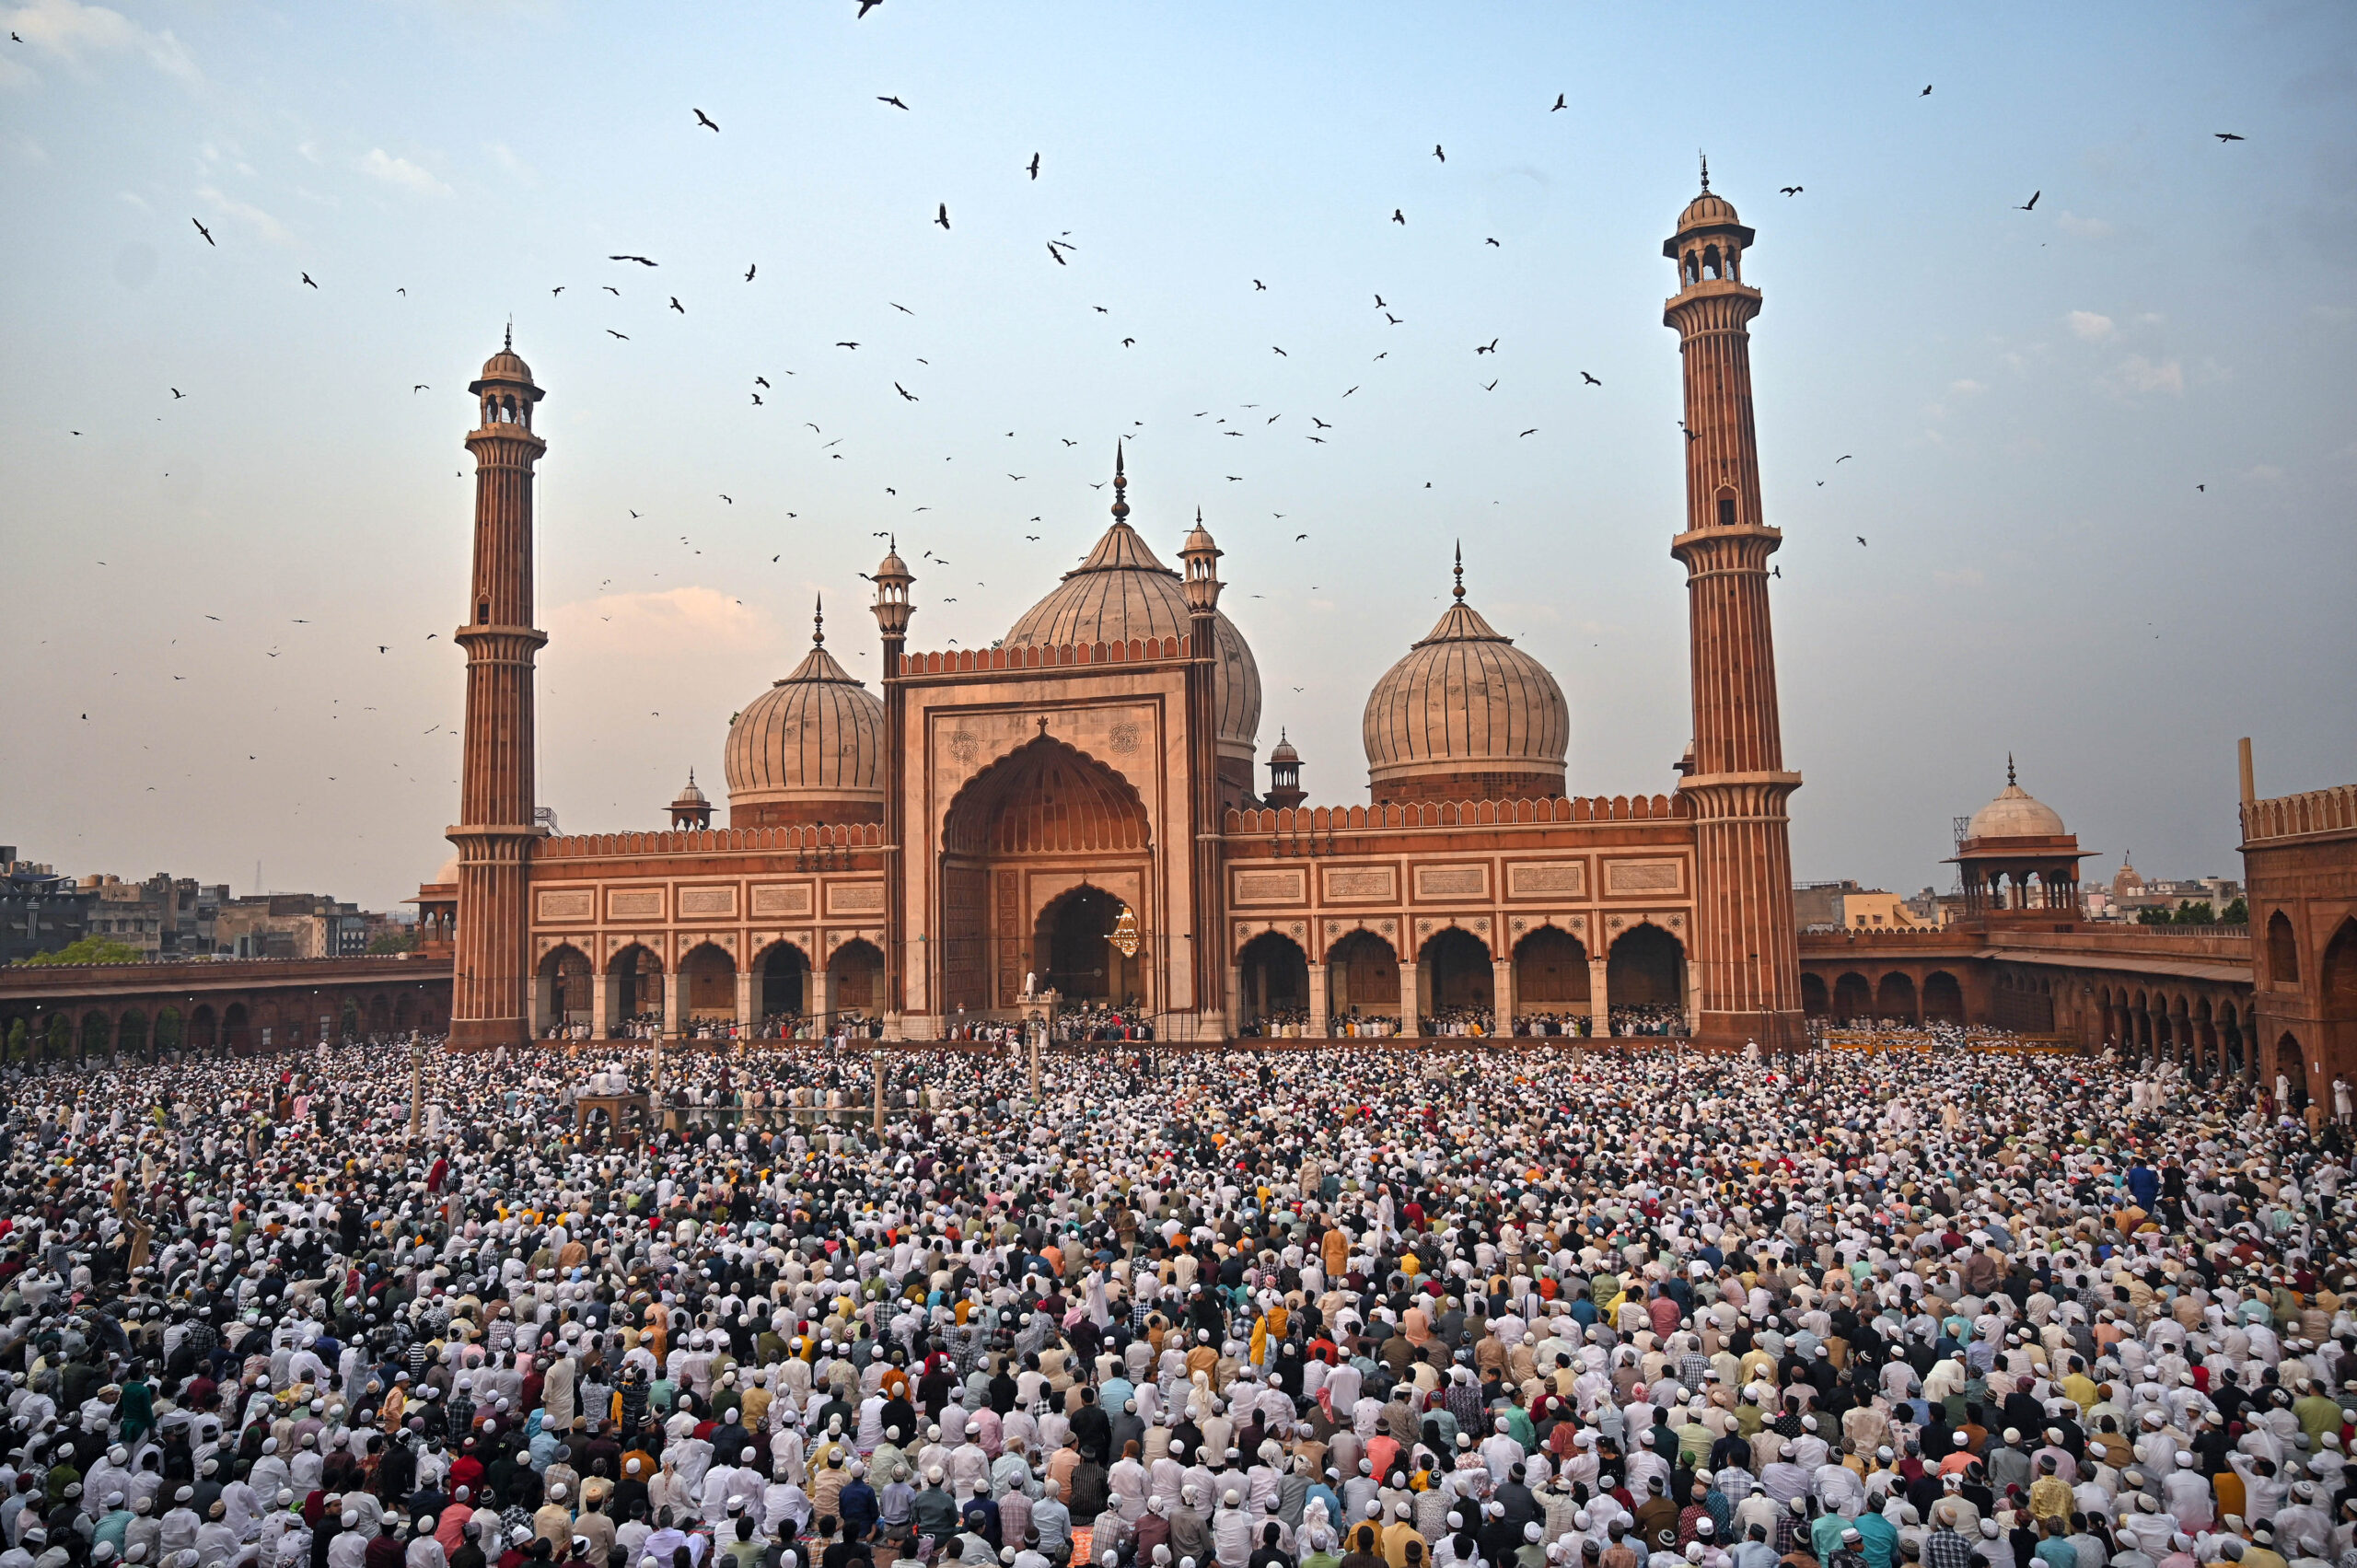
(2009, 768)
(1121, 481)
(1706, 170)
(1459, 589)
(819, 623)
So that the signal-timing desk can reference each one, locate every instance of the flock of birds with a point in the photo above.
(1062, 250)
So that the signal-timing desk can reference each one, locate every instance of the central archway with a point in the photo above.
(1073, 954)
(1023, 839)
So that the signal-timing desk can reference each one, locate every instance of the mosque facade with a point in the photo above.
(1077, 807)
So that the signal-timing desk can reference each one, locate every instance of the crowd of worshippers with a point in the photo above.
(1603, 1308)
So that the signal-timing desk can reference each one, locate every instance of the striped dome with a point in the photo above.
(1121, 592)
(816, 734)
(1466, 701)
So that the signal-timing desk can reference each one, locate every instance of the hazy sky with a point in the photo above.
(2032, 398)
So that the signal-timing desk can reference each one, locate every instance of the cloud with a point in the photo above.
(702, 618)
(269, 228)
(399, 171)
(1967, 387)
(505, 156)
(2083, 228)
(2137, 375)
(2089, 326)
(76, 33)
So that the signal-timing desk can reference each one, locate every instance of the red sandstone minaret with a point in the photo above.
(495, 830)
(1745, 957)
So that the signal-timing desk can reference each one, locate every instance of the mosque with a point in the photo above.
(1078, 809)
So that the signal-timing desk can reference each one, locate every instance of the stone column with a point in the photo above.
(745, 998)
(1600, 1001)
(601, 1002)
(1412, 996)
(675, 1001)
(825, 1012)
(1321, 1009)
(1235, 1008)
(1502, 999)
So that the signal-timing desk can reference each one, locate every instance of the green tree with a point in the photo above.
(394, 942)
(2236, 914)
(2198, 912)
(2155, 917)
(90, 950)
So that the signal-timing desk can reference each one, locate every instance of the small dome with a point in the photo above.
(691, 796)
(1284, 751)
(1466, 700)
(507, 367)
(892, 565)
(446, 876)
(1709, 210)
(816, 736)
(1122, 593)
(2016, 813)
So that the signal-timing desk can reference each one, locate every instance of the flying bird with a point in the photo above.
(2032, 202)
(421, 386)
(904, 391)
(1489, 347)
(1844, 458)
(1275, 350)
(677, 306)
(1378, 302)
(1532, 431)
(893, 101)
(1862, 538)
(839, 346)
(1558, 103)
(1127, 342)
(611, 333)
(706, 122)
(2201, 487)
(1794, 190)
(942, 217)
(749, 271)
(760, 381)
(730, 499)
(307, 278)
(1236, 479)
(1590, 379)
(1319, 423)
(1438, 154)
(865, 7)
(1399, 217)
(1035, 165)
(1925, 93)
(1492, 242)
(177, 393)
(757, 400)
(1353, 389)
(2225, 135)
(1060, 258)
(612, 289)
(1260, 287)
(554, 292)
(1491, 388)
(1299, 537)
(640, 260)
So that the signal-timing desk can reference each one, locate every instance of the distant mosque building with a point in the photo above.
(990, 817)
